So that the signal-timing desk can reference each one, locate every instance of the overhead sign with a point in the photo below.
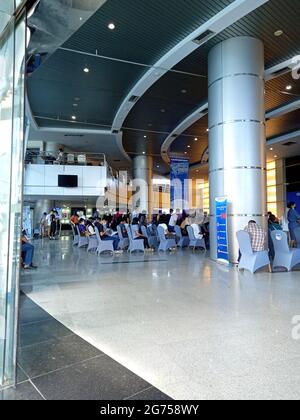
(221, 223)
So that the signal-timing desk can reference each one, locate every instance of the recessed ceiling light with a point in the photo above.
(145, 137)
(289, 87)
(185, 153)
(207, 129)
(196, 139)
(73, 117)
(80, 18)
(86, 70)
(157, 166)
(278, 33)
(275, 156)
(77, 99)
(162, 110)
(111, 26)
(189, 146)
(144, 153)
(183, 91)
(271, 148)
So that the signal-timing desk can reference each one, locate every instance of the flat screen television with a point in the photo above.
(68, 181)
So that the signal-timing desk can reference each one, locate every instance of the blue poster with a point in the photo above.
(221, 222)
(179, 183)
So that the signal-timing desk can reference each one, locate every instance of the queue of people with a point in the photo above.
(50, 225)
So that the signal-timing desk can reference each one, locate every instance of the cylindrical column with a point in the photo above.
(237, 163)
(142, 183)
(40, 207)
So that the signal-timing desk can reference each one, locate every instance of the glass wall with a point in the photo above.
(12, 70)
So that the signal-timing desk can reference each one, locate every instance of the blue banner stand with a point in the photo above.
(221, 229)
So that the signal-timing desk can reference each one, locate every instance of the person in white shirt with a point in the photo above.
(197, 232)
(284, 223)
(173, 220)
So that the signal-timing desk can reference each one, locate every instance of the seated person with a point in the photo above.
(27, 250)
(274, 223)
(173, 220)
(82, 227)
(122, 225)
(105, 236)
(184, 224)
(90, 227)
(257, 236)
(97, 223)
(168, 234)
(60, 157)
(137, 234)
(197, 231)
(74, 219)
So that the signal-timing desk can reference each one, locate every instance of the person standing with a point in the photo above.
(52, 231)
(173, 220)
(44, 225)
(294, 222)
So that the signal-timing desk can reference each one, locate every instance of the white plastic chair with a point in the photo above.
(70, 159)
(284, 256)
(75, 235)
(152, 240)
(165, 244)
(83, 241)
(103, 246)
(183, 241)
(134, 244)
(93, 243)
(194, 242)
(81, 159)
(250, 260)
(124, 242)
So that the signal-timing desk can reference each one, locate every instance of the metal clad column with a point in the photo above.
(237, 163)
(142, 175)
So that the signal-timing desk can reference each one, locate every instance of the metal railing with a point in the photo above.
(65, 158)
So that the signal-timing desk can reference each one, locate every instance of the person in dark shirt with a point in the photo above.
(82, 227)
(105, 235)
(27, 252)
(123, 228)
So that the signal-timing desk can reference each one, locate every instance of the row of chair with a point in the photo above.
(155, 235)
(284, 256)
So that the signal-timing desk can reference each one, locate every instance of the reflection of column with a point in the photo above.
(41, 206)
(237, 135)
(142, 173)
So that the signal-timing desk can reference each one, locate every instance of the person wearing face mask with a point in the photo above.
(294, 222)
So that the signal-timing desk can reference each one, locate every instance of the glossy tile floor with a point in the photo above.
(187, 326)
(56, 364)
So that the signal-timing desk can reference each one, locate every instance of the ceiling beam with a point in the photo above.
(270, 74)
(227, 17)
(286, 109)
(295, 135)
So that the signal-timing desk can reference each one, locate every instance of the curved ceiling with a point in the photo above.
(119, 59)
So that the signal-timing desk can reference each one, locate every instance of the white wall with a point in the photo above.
(43, 180)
